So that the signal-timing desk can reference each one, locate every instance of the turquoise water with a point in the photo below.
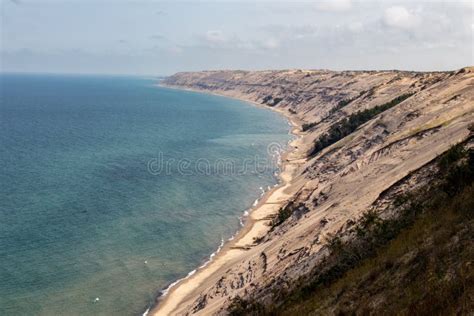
(86, 211)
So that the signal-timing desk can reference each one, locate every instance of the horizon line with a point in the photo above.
(223, 69)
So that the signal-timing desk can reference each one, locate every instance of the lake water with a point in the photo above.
(111, 188)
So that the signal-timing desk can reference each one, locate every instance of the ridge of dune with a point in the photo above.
(325, 191)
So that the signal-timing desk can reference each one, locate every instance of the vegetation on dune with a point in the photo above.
(348, 125)
(286, 211)
(283, 214)
(417, 263)
(342, 104)
(271, 101)
(307, 126)
(346, 102)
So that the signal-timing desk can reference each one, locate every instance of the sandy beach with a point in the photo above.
(256, 225)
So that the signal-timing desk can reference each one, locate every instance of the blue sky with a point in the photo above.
(159, 37)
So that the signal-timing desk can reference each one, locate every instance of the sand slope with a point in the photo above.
(330, 190)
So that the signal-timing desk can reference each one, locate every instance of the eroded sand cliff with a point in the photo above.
(329, 189)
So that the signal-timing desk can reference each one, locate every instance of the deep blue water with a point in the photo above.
(85, 211)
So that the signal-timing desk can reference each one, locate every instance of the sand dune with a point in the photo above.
(327, 191)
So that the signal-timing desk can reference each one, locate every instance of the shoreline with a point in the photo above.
(255, 225)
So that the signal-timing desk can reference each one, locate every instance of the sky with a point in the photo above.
(153, 37)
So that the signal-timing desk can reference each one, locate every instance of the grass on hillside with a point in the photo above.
(420, 263)
(348, 125)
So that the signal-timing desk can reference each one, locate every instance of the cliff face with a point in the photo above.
(366, 138)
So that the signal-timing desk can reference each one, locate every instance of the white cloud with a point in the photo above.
(401, 17)
(273, 34)
(334, 5)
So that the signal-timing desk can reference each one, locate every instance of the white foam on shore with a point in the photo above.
(255, 203)
(241, 220)
(211, 257)
(166, 291)
(214, 253)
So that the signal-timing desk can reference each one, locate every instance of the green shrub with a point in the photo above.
(283, 214)
(308, 126)
(345, 102)
(451, 156)
(348, 125)
(239, 307)
(271, 101)
(457, 167)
